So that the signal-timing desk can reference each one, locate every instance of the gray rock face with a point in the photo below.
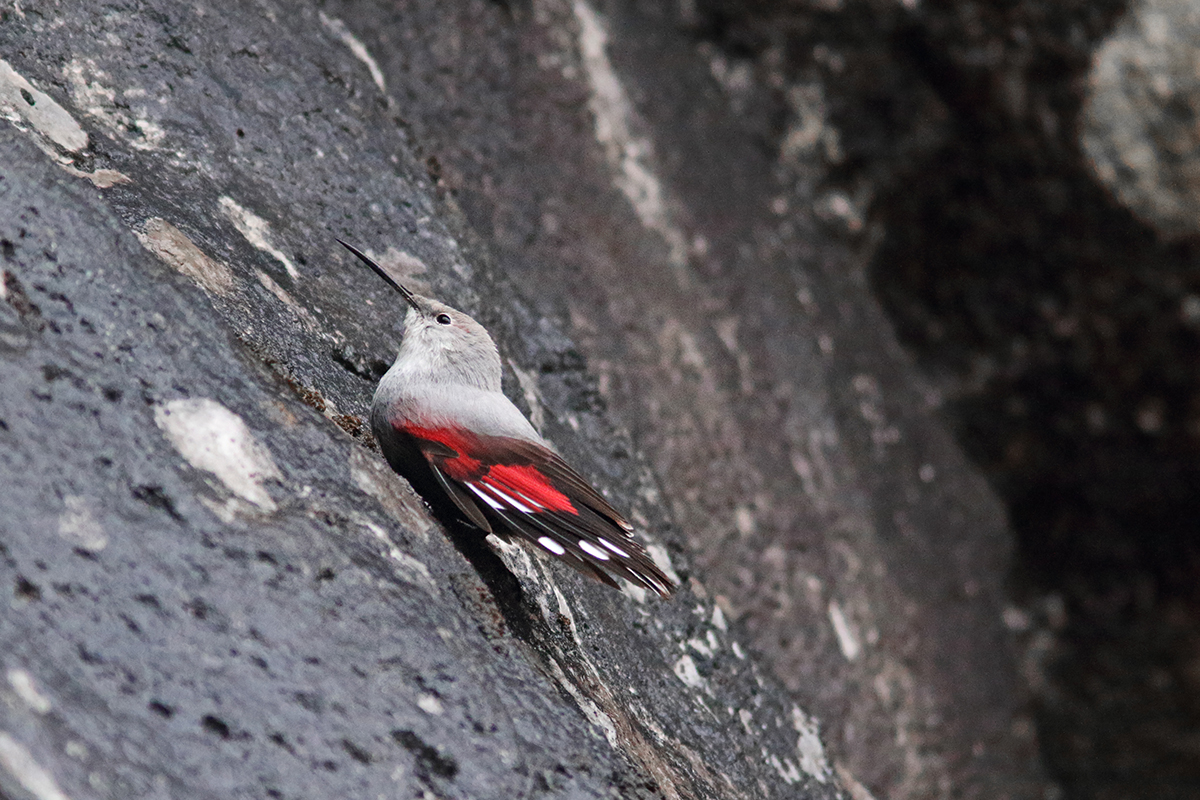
(1140, 127)
(217, 589)
(604, 157)
(214, 588)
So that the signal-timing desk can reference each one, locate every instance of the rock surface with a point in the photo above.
(1059, 329)
(619, 171)
(216, 587)
(1139, 124)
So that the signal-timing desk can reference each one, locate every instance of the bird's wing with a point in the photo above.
(514, 486)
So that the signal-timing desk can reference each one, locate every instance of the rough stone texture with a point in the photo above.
(606, 157)
(296, 625)
(1140, 129)
(1059, 329)
(213, 587)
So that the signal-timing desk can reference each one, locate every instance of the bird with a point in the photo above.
(444, 424)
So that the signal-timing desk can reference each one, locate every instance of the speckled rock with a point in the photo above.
(1140, 129)
(277, 616)
(213, 586)
(636, 183)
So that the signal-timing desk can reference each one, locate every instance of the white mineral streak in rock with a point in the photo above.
(808, 746)
(529, 390)
(629, 154)
(357, 48)
(857, 790)
(430, 705)
(786, 769)
(402, 266)
(19, 763)
(557, 611)
(407, 568)
(25, 687)
(809, 133)
(256, 231)
(216, 440)
(590, 709)
(51, 126)
(100, 101)
(179, 252)
(305, 316)
(19, 97)
(78, 525)
(658, 554)
(376, 479)
(705, 647)
(685, 670)
(846, 638)
(718, 619)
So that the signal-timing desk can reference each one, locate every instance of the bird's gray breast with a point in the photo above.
(483, 412)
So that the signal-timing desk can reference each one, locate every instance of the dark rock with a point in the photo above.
(707, 278)
(1054, 316)
(215, 587)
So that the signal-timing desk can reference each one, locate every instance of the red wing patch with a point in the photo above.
(528, 484)
(487, 463)
(460, 466)
(523, 488)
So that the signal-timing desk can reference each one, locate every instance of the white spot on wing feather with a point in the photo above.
(495, 490)
(484, 497)
(593, 551)
(552, 546)
(614, 548)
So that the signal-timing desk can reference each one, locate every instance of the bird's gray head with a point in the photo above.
(441, 344)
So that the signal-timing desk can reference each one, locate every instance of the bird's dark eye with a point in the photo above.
(443, 319)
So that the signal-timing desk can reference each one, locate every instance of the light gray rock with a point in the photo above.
(1140, 123)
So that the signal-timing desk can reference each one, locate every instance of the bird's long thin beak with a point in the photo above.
(409, 296)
